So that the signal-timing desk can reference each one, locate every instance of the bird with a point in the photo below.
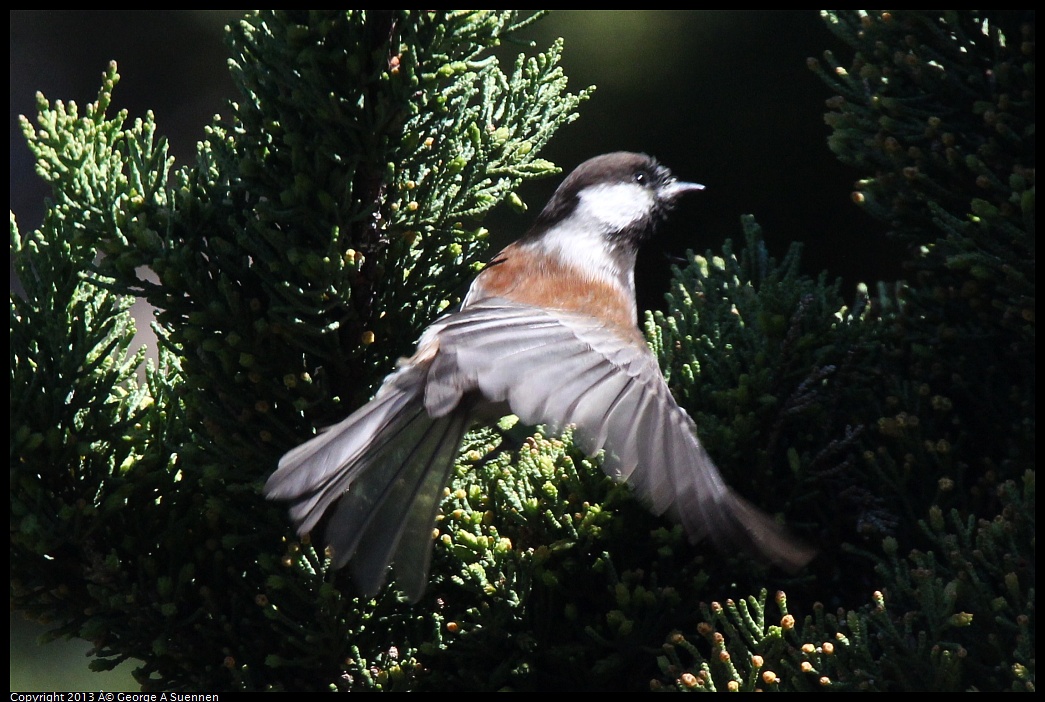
(547, 331)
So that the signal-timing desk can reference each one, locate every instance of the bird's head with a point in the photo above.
(620, 197)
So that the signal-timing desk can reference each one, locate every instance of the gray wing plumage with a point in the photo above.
(387, 464)
(560, 369)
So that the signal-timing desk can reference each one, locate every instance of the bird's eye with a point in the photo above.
(640, 177)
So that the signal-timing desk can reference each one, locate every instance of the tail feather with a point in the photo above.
(375, 483)
(314, 475)
(386, 466)
(407, 486)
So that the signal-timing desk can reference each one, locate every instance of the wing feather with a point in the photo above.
(559, 369)
(388, 462)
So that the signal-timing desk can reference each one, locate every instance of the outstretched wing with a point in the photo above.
(560, 369)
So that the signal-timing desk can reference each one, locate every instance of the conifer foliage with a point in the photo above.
(336, 213)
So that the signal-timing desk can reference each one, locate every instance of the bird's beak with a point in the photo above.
(679, 187)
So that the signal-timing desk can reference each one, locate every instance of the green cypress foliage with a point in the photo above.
(339, 210)
(321, 227)
(919, 406)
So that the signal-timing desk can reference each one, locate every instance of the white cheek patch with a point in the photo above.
(611, 208)
(584, 240)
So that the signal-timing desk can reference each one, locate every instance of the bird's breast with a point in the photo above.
(548, 283)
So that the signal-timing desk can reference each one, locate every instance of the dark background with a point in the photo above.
(723, 98)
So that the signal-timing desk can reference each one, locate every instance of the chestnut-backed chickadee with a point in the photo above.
(548, 332)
